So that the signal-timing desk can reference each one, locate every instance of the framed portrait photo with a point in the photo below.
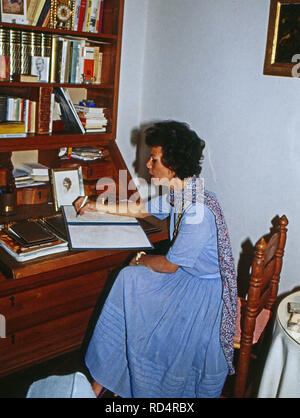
(40, 67)
(67, 185)
(282, 56)
(14, 11)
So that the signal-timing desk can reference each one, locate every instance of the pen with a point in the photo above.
(82, 204)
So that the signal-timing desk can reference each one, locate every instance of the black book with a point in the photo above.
(68, 112)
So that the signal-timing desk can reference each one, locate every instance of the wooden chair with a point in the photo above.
(256, 309)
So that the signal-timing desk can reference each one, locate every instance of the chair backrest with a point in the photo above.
(262, 293)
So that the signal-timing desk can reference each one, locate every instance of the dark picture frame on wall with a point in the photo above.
(282, 56)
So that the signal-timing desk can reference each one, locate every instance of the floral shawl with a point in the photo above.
(194, 192)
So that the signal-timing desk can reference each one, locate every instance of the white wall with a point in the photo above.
(202, 62)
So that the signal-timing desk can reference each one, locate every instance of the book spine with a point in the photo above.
(38, 11)
(33, 117)
(54, 48)
(94, 15)
(15, 53)
(26, 114)
(43, 13)
(46, 45)
(3, 106)
(52, 103)
(81, 15)
(74, 60)
(76, 15)
(43, 111)
(26, 52)
(100, 22)
(88, 62)
(31, 10)
(87, 17)
(63, 60)
(4, 54)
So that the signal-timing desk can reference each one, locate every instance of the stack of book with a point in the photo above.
(88, 16)
(38, 12)
(92, 118)
(75, 60)
(28, 239)
(85, 153)
(24, 178)
(11, 129)
(17, 116)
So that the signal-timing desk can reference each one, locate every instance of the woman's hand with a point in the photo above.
(90, 206)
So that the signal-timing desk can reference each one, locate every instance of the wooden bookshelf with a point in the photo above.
(47, 303)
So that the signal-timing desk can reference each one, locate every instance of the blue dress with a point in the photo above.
(158, 335)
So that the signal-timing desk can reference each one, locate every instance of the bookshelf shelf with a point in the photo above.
(53, 141)
(105, 86)
(105, 37)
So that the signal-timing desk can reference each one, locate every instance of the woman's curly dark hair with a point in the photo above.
(181, 147)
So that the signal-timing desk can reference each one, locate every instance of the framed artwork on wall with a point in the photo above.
(13, 11)
(282, 56)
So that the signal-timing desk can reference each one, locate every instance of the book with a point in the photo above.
(30, 232)
(54, 59)
(45, 10)
(75, 50)
(10, 127)
(25, 78)
(37, 12)
(35, 169)
(87, 17)
(4, 67)
(20, 253)
(31, 9)
(95, 230)
(88, 62)
(16, 135)
(100, 20)
(43, 112)
(75, 15)
(68, 112)
(81, 16)
(95, 9)
(3, 106)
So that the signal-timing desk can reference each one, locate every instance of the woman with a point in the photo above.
(167, 326)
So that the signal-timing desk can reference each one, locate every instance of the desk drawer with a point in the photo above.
(24, 348)
(25, 309)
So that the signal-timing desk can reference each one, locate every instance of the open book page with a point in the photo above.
(95, 230)
(95, 217)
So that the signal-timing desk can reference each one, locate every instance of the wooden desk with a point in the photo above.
(47, 302)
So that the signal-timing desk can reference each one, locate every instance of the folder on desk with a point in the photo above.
(95, 230)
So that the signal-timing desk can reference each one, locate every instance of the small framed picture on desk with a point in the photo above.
(67, 185)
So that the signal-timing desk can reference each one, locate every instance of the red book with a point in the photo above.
(81, 15)
(99, 28)
(4, 67)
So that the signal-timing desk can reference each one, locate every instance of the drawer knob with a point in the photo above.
(12, 301)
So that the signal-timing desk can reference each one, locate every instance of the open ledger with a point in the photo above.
(96, 230)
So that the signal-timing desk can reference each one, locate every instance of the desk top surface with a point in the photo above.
(283, 315)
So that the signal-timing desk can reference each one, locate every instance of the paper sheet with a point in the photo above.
(103, 231)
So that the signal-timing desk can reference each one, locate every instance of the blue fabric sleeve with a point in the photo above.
(159, 207)
(194, 239)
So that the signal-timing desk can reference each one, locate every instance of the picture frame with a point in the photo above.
(282, 55)
(14, 11)
(40, 67)
(67, 185)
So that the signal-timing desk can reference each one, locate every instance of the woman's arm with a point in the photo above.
(158, 263)
(122, 208)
